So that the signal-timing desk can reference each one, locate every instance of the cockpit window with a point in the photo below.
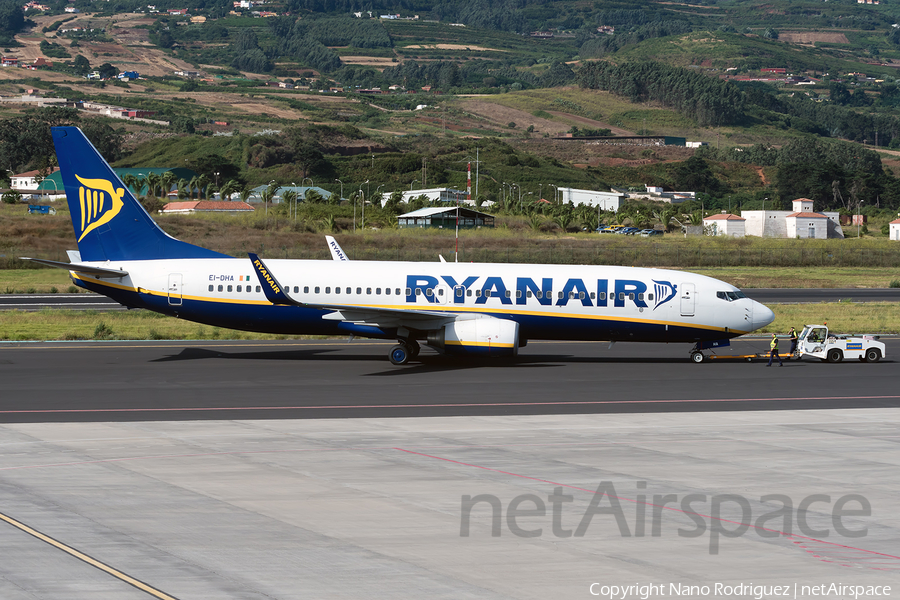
(730, 296)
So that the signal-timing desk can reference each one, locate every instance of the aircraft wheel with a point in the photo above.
(835, 356)
(873, 355)
(399, 355)
(697, 357)
(413, 348)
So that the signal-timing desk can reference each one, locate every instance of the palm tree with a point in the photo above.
(182, 185)
(152, 180)
(289, 197)
(203, 183)
(193, 184)
(244, 193)
(228, 188)
(167, 181)
(130, 181)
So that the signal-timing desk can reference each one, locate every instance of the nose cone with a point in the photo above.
(762, 316)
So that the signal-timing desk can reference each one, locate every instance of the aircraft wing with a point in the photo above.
(98, 272)
(369, 315)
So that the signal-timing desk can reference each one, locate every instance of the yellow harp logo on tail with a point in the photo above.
(99, 203)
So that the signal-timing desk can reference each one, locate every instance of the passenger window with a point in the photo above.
(459, 292)
(571, 295)
(398, 291)
(305, 289)
(528, 294)
(440, 291)
(369, 291)
(469, 292)
(229, 288)
(349, 290)
(560, 294)
(631, 296)
(328, 290)
(518, 293)
(318, 289)
(387, 291)
(581, 295)
(258, 289)
(211, 287)
(359, 290)
(296, 289)
(621, 295)
(377, 291)
(593, 295)
(239, 288)
(508, 294)
(478, 293)
(337, 290)
(539, 294)
(408, 291)
(249, 289)
(640, 296)
(429, 292)
(603, 295)
(418, 291)
(220, 287)
(650, 297)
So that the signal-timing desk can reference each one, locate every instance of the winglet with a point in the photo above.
(337, 253)
(275, 293)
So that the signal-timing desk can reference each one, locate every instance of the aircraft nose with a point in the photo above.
(762, 316)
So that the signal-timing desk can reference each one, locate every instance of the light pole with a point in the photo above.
(412, 182)
(378, 188)
(764, 218)
(293, 189)
(555, 192)
(217, 180)
(267, 204)
(520, 199)
(858, 219)
(362, 223)
(540, 191)
(342, 190)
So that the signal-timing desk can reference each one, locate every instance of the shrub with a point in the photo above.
(895, 283)
(103, 331)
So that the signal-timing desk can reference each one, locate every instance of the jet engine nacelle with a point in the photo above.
(478, 335)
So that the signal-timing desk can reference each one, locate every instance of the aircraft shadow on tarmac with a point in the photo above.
(425, 363)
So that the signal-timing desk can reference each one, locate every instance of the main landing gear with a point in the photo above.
(402, 352)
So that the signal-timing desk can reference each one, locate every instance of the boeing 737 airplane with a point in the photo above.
(456, 308)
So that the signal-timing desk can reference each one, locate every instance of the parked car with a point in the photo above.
(649, 232)
(628, 230)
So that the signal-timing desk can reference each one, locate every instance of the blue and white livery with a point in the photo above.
(456, 308)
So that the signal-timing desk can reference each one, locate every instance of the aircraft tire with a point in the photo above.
(399, 355)
(697, 357)
(414, 348)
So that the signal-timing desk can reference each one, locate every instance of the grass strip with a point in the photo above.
(49, 324)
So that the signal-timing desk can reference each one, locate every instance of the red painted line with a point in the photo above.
(685, 512)
(443, 405)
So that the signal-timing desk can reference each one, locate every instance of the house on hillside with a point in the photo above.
(801, 223)
(894, 230)
(725, 224)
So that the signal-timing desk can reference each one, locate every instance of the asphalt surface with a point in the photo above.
(764, 295)
(136, 381)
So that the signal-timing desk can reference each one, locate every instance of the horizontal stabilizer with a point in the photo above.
(98, 272)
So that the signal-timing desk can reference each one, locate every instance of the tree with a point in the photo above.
(12, 17)
(107, 71)
(81, 65)
(228, 188)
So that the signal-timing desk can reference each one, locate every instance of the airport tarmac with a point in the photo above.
(376, 508)
(315, 469)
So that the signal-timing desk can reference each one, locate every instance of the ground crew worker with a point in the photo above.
(793, 343)
(773, 352)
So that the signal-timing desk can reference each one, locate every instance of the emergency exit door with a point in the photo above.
(174, 289)
(687, 299)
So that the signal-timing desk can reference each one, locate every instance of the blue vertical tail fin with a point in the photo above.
(109, 223)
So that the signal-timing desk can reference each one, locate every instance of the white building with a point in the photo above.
(894, 231)
(657, 194)
(448, 195)
(26, 182)
(605, 200)
(802, 222)
(724, 224)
